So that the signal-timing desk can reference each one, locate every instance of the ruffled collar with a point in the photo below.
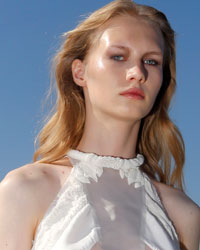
(90, 165)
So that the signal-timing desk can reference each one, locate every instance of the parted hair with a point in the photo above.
(159, 140)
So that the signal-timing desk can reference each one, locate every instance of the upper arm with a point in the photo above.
(17, 212)
(189, 225)
(184, 214)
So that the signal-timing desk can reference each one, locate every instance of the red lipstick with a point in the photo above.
(135, 93)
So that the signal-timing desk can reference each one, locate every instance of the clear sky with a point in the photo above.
(30, 35)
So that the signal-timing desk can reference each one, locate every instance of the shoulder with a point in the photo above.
(36, 180)
(184, 213)
(27, 178)
(30, 189)
(36, 176)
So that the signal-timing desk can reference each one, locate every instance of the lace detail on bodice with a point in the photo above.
(155, 207)
(67, 204)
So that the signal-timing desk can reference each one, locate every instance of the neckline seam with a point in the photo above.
(86, 154)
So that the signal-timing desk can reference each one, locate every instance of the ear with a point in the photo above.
(78, 70)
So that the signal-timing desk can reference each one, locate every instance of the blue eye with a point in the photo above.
(151, 62)
(118, 58)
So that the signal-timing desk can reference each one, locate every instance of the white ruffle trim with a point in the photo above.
(91, 166)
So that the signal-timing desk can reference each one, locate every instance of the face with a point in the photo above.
(127, 56)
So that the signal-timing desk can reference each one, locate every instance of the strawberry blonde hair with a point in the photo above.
(159, 139)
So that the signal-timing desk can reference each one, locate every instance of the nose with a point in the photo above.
(136, 73)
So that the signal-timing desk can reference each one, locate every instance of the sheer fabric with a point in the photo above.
(107, 203)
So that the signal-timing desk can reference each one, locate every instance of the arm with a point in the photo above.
(18, 212)
(184, 213)
(189, 225)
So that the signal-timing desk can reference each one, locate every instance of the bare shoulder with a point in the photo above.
(35, 181)
(25, 194)
(184, 213)
(36, 174)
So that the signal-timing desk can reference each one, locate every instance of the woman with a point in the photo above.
(102, 176)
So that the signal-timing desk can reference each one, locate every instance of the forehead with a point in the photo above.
(129, 31)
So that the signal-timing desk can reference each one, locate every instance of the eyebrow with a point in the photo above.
(118, 46)
(147, 53)
(154, 53)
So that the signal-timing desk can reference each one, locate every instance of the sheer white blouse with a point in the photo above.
(106, 203)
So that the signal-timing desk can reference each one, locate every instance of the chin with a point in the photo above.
(124, 113)
(134, 115)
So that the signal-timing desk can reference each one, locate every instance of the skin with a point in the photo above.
(114, 120)
(112, 124)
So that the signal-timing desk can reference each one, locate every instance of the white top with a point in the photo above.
(106, 203)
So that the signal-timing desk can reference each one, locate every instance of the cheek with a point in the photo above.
(99, 76)
(155, 85)
(95, 70)
(96, 79)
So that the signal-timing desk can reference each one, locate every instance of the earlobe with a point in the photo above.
(78, 70)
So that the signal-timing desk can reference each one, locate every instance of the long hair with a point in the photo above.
(159, 139)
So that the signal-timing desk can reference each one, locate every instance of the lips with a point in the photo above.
(134, 93)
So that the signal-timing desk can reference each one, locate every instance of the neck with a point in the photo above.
(117, 138)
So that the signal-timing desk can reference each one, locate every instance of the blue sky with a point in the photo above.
(30, 35)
